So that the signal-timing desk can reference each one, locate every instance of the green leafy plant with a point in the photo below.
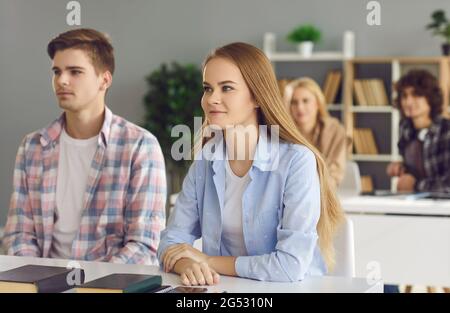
(440, 25)
(304, 32)
(173, 98)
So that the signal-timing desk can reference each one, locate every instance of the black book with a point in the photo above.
(122, 283)
(39, 279)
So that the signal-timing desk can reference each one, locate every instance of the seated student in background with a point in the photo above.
(91, 185)
(306, 103)
(270, 215)
(424, 135)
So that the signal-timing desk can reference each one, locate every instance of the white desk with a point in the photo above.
(94, 270)
(411, 244)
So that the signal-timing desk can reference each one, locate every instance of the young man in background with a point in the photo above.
(424, 135)
(91, 185)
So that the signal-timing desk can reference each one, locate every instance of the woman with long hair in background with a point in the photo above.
(306, 103)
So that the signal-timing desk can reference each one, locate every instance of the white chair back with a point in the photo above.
(344, 245)
(351, 184)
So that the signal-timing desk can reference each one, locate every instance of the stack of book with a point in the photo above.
(52, 279)
(364, 141)
(370, 92)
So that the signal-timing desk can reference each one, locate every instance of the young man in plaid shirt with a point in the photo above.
(424, 135)
(91, 185)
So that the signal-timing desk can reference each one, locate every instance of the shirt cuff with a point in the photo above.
(242, 266)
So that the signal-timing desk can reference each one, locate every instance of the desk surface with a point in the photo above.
(94, 270)
(395, 205)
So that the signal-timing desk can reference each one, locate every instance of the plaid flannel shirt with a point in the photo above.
(124, 210)
(436, 153)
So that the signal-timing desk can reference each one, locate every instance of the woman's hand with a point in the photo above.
(194, 273)
(183, 250)
(395, 169)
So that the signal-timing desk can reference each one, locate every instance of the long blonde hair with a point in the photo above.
(313, 87)
(260, 79)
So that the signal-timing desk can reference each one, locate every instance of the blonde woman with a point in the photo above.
(269, 215)
(306, 103)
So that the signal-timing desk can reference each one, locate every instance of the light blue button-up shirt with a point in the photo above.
(280, 211)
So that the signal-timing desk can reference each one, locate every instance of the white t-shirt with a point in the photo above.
(232, 231)
(75, 158)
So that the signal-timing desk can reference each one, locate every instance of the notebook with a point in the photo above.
(38, 279)
(121, 283)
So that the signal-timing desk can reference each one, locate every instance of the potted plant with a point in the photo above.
(305, 36)
(173, 98)
(441, 27)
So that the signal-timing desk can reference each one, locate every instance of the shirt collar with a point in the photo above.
(436, 125)
(266, 156)
(409, 132)
(51, 133)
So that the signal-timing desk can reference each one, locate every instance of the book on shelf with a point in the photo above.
(380, 91)
(370, 92)
(357, 142)
(366, 184)
(330, 88)
(331, 85)
(38, 279)
(360, 95)
(364, 141)
(122, 283)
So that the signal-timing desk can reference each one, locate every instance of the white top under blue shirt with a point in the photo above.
(280, 211)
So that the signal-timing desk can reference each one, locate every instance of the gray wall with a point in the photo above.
(147, 33)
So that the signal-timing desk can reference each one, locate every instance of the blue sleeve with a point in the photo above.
(184, 222)
(297, 235)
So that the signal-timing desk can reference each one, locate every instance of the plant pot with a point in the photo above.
(446, 49)
(305, 48)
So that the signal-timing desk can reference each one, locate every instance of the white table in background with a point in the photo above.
(94, 270)
(409, 239)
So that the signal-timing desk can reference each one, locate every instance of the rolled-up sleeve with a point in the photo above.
(297, 237)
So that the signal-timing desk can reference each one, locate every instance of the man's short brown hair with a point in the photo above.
(96, 44)
(424, 84)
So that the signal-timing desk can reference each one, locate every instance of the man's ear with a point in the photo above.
(106, 80)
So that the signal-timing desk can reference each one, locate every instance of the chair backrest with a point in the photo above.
(344, 245)
(172, 199)
(351, 184)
